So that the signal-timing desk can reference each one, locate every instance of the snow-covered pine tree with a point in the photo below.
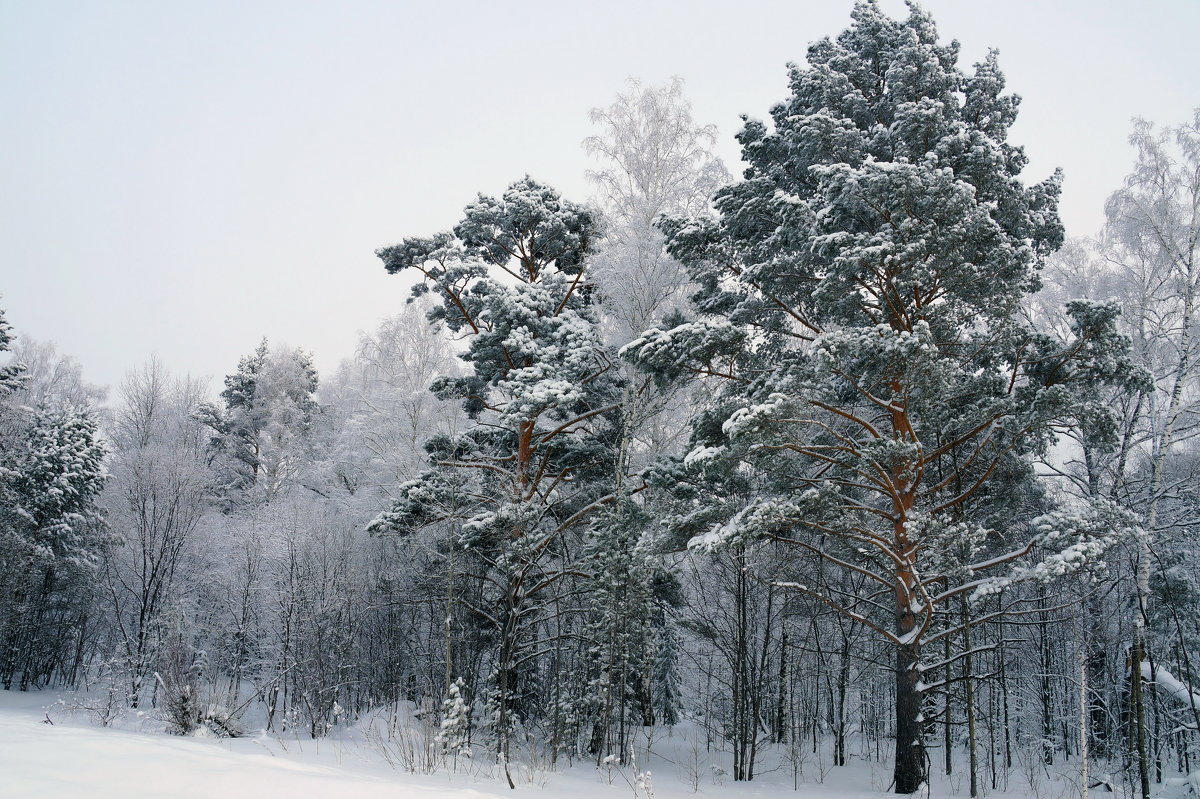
(542, 393)
(52, 535)
(10, 374)
(61, 475)
(860, 299)
(266, 413)
(12, 427)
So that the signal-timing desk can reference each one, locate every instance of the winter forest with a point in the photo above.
(841, 472)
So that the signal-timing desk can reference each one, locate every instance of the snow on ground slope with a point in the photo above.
(72, 758)
(75, 760)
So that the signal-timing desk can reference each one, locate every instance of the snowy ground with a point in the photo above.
(75, 758)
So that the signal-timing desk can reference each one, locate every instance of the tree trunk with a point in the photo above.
(969, 699)
(948, 714)
(1137, 700)
(1084, 753)
(506, 675)
(909, 773)
(911, 768)
(782, 699)
(839, 746)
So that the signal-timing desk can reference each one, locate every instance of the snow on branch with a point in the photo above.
(1073, 540)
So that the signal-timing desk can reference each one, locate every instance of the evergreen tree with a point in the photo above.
(542, 392)
(53, 534)
(267, 414)
(10, 374)
(620, 632)
(860, 298)
(60, 475)
(454, 734)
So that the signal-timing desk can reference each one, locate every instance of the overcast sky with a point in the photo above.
(185, 178)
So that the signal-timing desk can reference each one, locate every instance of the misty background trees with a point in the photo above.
(852, 458)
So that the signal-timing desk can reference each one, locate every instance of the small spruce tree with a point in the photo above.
(454, 734)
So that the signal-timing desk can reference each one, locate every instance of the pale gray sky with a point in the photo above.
(185, 178)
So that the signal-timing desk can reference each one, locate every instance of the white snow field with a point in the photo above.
(75, 758)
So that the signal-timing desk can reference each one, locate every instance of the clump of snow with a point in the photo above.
(700, 455)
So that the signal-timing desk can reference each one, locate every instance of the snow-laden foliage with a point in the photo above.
(860, 484)
(52, 530)
(260, 431)
(10, 374)
(543, 394)
(54, 484)
(454, 733)
(51, 536)
(873, 264)
(1068, 540)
